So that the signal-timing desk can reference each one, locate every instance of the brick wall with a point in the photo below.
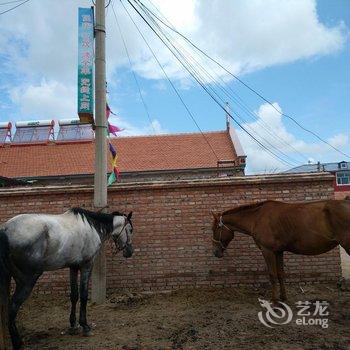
(341, 194)
(145, 176)
(172, 226)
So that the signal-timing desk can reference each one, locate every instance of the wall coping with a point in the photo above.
(132, 186)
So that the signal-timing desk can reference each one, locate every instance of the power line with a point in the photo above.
(195, 76)
(10, 2)
(170, 82)
(228, 91)
(12, 8)
(138, 85)
(199, 79)
(211, 94)
(131, 68)
(171, 27)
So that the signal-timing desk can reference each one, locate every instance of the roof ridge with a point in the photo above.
(315, 164)
(60, 142)
(171, 134)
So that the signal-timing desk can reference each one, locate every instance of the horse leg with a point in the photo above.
(270, 259)
(74, 296)
(24, 287)
(346, 245)
(281, 276)
(85, 273)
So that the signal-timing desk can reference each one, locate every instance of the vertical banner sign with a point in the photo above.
(85, 65)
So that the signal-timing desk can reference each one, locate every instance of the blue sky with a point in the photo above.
(296, 53)
(310, 89)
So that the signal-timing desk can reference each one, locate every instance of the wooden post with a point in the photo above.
(100, 181)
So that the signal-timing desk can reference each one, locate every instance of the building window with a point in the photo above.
(343, 178)
(343, 165)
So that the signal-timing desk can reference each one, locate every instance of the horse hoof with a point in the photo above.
(73, 330)
(18, 346)
(88, 333)
(276, 304)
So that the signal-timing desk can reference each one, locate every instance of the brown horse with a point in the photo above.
(301, 228)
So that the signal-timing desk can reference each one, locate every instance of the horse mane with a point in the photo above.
(117, 213)
(102, 222)
(245, 207)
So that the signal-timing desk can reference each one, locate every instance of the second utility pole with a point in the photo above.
(100, 180)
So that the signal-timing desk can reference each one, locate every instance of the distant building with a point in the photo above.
(36, 156)
(340, 170)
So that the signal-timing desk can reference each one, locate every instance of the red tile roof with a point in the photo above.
(136, 153)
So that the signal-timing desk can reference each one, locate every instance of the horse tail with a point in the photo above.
(5, 278)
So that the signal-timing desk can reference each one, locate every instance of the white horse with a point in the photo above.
(33, 243)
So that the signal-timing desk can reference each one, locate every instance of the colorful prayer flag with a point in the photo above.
(115, 174)
(112, 178)
(114, 129)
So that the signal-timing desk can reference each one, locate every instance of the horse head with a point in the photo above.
(222, 235)
(122, 233)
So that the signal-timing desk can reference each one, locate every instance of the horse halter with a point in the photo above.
(221, 225)
(115, 239)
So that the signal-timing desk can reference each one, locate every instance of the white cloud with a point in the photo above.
(153, 128)
(245, 35)
(48, 100)
(270, 129)
(39, 44)
(261, 33)
(339, 140)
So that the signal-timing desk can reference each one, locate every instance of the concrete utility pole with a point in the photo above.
(100, 180)
(228, 112)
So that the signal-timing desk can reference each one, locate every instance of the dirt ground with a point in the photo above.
(188, 319)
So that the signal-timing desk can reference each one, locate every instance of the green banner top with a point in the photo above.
(85, 62)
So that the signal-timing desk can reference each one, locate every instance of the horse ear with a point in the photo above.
(130, 215)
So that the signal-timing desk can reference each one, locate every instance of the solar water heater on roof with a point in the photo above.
(72, 129)
(5, 132)
(33, 131)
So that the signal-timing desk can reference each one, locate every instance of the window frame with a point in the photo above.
(342, 175)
